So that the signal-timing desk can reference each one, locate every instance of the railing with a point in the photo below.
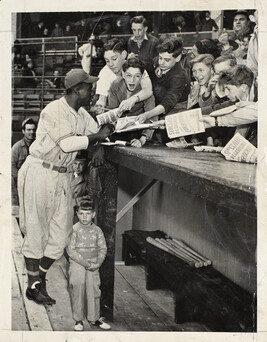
(66, 47)
(51, 45)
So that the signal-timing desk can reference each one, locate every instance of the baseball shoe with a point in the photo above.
(101, 324)
(78, 326)
(36, 295)
(44, 292)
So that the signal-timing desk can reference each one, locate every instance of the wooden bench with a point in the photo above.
(134, 245)
(200, 294)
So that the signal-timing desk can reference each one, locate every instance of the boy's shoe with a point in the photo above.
(34, 293)
(78, 326)
(101, 324)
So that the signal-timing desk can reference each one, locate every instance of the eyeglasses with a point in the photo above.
(134, 77)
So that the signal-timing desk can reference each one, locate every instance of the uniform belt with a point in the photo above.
(50, 166)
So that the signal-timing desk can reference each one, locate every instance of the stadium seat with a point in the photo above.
(48, 98)
(33, 101)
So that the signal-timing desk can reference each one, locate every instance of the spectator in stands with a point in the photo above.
(241, 24)
(237, 87)
(202, 90)
(241, 20)
(46, 33)
(178, 23)
(122, 23)
(115, 55)
(79, 177)
(27, 58)
(56, 81)
(197, 21)
(29, 77)
(207, 24)
(57, 31)
(209, 46)
(19, 153)
(39, 30)
(87, 51)
(142, 44)
(203, 95)
(221, 65)
(106, 27)
(18, 61)
(83, 30)
(170, 83)
(224, 64)
(124, 87)
(68, 32)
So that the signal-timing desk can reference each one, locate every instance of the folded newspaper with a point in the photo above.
(240, 149)
(184, 123)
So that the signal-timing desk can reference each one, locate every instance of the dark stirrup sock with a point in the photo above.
(45, 264)
(32, 266)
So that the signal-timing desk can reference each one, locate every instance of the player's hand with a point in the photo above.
(141, 118)
(98, 109)
(105, 131)
(128, 104)
(98, 156)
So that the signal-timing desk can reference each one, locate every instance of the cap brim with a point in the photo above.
(90, 79)
(240, 12)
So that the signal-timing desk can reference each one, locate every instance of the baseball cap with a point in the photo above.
(76, 76)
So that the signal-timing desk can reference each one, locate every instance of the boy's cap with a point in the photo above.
(76, 76)
(28, 120)
(81, 155)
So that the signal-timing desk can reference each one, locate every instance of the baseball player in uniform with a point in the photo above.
(43, 184)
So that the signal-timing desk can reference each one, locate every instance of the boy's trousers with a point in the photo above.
(85, 292)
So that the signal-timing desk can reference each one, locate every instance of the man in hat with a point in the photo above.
(237, 42)
(19, 153)
(46, 212)
(241, 20)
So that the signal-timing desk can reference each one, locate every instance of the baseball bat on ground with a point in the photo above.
(182, 244)
(178, 253)
(194, 258)
(166, 249)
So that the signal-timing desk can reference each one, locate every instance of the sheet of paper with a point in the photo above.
(109, 117)
(184, 123)
(240, 149)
